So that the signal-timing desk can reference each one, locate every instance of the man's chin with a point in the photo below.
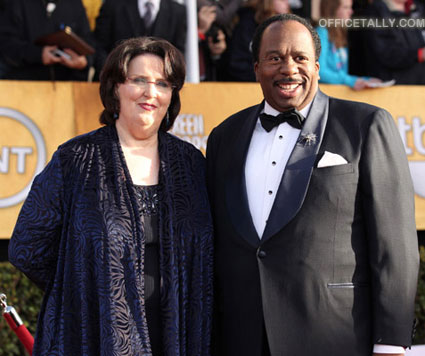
(286, 105)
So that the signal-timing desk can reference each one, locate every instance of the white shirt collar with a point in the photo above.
(155, 7)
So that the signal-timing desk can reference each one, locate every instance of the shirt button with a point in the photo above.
(273, 163)
(270, 192)
(262, 254)
(280, 137)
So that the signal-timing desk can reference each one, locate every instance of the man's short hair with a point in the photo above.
(256, 40)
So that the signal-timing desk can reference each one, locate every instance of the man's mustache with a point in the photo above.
(289, 80)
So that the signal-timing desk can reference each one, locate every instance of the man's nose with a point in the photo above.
(288, 66)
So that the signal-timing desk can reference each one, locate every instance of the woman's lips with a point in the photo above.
(147, 107)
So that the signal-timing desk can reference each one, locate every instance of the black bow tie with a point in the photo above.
(293, 117)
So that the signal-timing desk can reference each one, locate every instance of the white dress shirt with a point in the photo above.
(266, 160)
(142, 8)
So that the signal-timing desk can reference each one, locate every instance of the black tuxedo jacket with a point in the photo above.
(120, 19)
(336, 268)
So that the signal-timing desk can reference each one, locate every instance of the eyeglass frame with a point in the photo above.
(144, 84)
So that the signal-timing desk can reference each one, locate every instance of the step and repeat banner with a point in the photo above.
(35, 117)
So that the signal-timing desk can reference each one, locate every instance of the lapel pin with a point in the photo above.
(307, 139)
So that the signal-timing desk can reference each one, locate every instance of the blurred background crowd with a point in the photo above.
(356, 57)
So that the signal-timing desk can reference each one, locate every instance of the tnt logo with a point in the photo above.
(22, 156)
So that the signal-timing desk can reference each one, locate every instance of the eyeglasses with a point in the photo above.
(162, 86)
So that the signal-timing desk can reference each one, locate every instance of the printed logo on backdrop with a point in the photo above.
(415, 151)
(22, 155)
(190, 127)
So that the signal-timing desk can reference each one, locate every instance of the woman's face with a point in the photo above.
(144, 97)
(281, 6)
(345, 9)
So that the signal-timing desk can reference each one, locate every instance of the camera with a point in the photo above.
(213, 32)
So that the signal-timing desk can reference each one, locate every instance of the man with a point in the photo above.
(316, 247)
(119, 20)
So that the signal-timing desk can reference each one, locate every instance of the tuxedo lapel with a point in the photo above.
(295, 181)
(236, 195)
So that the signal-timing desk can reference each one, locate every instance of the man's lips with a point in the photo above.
(289, 88)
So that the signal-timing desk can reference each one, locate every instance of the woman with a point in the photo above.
(240, 65)
(334, 55)
(117, 228)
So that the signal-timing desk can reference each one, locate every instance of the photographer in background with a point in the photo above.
(212, 41)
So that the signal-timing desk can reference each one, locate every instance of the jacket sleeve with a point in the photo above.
(83, 28)
(103, 33)
(35, 240)
(388, 204)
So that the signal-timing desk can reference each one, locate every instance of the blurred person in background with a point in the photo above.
(3, 66)
(334, 56)
(240, 67)
(212, 40)
(119, 20)
(395, 52)
(226, 11)
(117, 228)
(24, 21)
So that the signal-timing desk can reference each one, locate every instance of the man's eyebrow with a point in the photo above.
(296, 52)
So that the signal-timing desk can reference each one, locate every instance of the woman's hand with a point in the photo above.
(360, 84)
(374, 80)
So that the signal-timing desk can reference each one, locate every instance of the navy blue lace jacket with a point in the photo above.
(78, 236)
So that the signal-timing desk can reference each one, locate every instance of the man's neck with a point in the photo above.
(268, 109)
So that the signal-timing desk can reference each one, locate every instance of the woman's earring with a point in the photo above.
(115, 116)
(167, 120)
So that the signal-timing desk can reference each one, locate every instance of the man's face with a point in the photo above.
(287, 68)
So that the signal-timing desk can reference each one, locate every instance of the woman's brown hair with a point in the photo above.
(337, 34)
(115, 71)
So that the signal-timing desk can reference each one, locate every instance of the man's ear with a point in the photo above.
(318, 69)
(256, 70)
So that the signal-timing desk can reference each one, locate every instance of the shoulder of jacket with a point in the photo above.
(239, 116)
(87, 139)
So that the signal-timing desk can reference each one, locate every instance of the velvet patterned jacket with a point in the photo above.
(78, 236)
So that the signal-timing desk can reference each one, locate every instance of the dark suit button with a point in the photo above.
(262, 254)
